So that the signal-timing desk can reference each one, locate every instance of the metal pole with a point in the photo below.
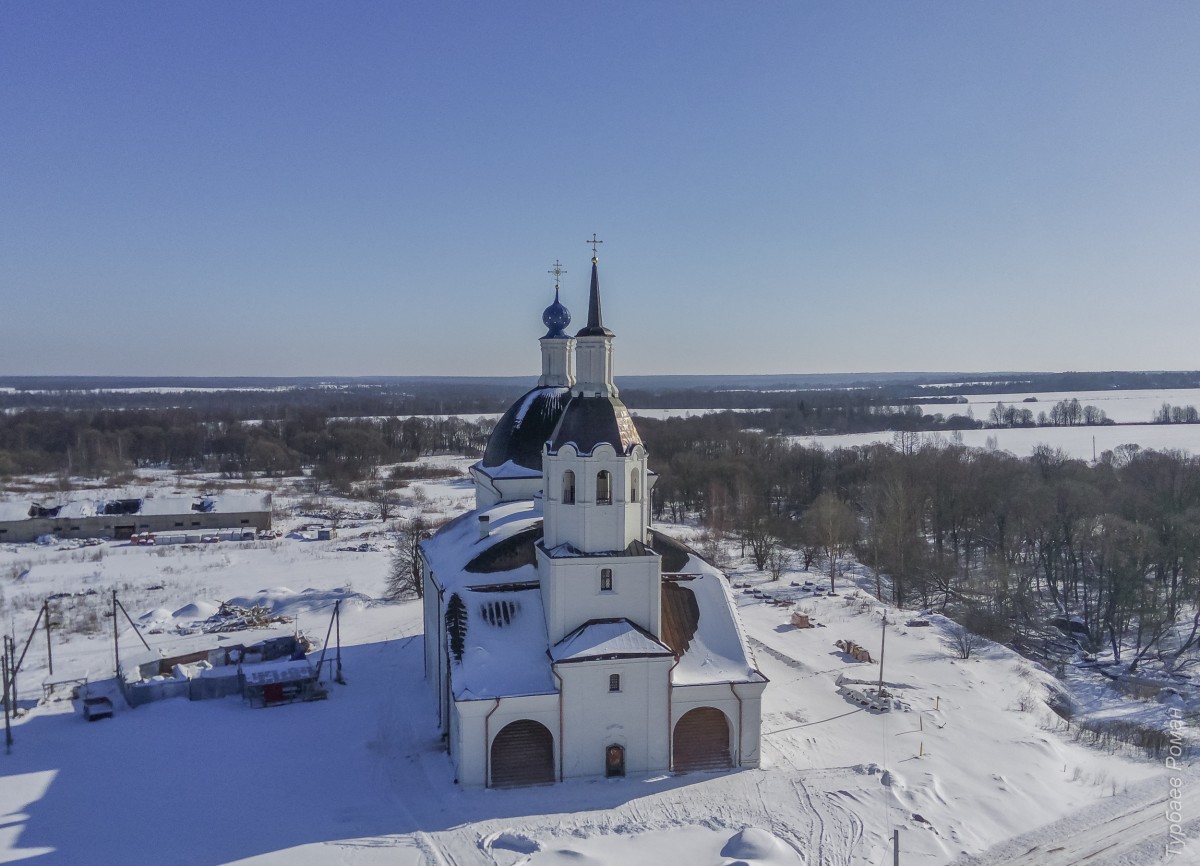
(12, 674)
(325, 645)
(134, 626)
(882, 646)
(7, 726)
(896, 848)
(49, 648)
(116, 645)
(337, 613)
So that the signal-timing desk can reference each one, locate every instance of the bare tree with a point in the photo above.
(778, 561)
(963, 641)
(831, 526)
(404, 579)
(385, 501)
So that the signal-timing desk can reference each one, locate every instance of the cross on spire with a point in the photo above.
(558, 270)
(594, 242)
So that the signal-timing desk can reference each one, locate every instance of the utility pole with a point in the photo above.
(7, 725)
(49, 648)
(10, 649)
(882, 646)
(116, 632)
(895, 848)
(337, 614)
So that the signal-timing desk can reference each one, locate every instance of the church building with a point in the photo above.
(563, 636)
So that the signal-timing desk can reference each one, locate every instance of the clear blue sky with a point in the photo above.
(357, 188)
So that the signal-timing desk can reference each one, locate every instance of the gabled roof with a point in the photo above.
(608, 639)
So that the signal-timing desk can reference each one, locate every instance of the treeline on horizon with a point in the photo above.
(432, 396)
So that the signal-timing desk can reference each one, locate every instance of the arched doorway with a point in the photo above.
(522, 754)
(701, 741)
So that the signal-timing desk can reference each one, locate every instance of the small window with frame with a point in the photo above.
(606, 580)
(614, 682)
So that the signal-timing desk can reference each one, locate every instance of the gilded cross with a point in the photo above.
(594, 242)
(558, 270)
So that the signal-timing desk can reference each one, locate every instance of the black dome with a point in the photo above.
(520, 434)
(590, 421)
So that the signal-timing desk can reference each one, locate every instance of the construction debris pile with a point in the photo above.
(232, 617)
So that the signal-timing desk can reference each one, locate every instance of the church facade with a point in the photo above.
(563, 636)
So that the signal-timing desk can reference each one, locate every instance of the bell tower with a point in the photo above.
(593, 561)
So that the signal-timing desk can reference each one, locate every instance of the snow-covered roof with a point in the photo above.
(223, 503)
(505, 643)
(457, 543)
(78, 508)
(506, 646)
(608, 639)
(14, 510)
(507, 469)
(282, 671)
(505, 639)
(717, 650)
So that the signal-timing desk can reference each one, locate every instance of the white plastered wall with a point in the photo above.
(476, 723)
(571, 593)
(586, 525)
(742, 705)
(634, 717)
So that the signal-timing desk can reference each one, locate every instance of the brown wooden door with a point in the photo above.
(701, 741)
(614, 760)
(522, 754)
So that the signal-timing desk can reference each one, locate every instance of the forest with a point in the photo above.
(1005, 544)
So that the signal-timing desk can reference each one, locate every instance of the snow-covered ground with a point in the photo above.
(1123, 407)
(1075, 441)
(970, 757)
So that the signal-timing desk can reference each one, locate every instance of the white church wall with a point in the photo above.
(558, 362)
(634, 717)
(750, 735)
(740, 702)
(476, 724)
(586, 524)
(594, 367)
(572, 594)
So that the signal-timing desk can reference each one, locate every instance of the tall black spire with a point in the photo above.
(595, 323)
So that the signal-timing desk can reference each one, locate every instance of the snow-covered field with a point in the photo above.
(970, 758)
(1076, 441)
(1123, 407)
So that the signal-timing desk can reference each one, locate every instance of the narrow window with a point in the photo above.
(568, 495)
(604, 488)
(633, 491)
(614, 682)
(606, 580)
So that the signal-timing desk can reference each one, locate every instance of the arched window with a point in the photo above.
(633, 481)
(614, 682)
(568, 495)
(603, 487)
(606, 580)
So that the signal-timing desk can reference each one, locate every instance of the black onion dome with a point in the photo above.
(556, 317)
(522, 431)
(591, 421)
